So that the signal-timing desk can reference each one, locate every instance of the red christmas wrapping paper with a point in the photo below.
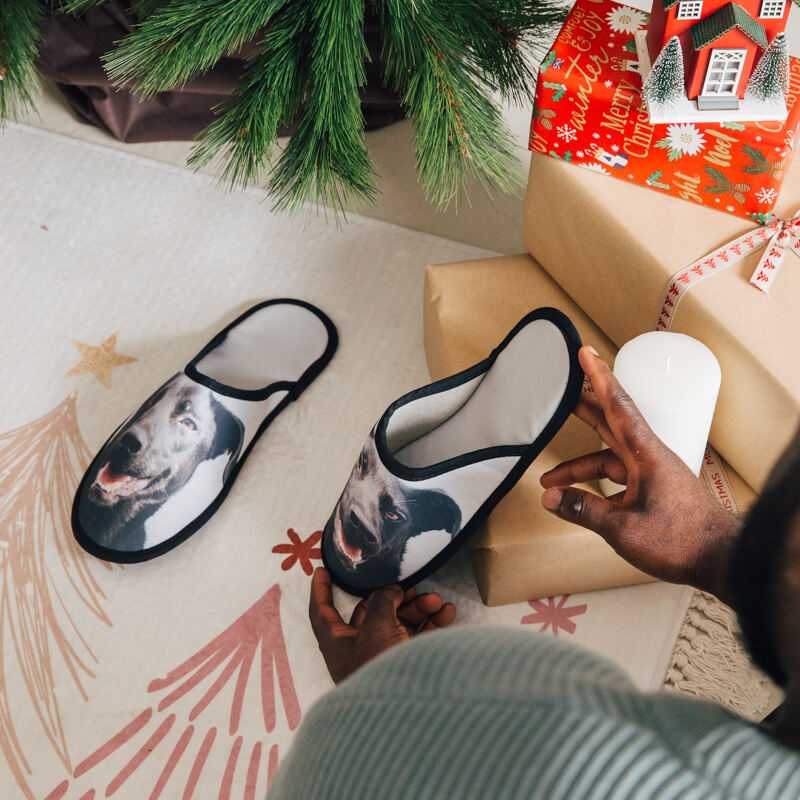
(588, 111)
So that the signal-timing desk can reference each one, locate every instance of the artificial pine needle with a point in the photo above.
(450, 60)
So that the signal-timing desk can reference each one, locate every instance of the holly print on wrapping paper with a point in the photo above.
(547, 61)
(655, 180)
(559, 90)
(553, 614)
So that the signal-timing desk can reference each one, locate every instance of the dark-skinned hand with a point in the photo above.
(387, 617)
(665, 522)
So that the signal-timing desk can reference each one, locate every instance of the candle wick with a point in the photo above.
(669, 360)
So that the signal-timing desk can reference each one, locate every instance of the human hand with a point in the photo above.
(665, 522)
(387, 617)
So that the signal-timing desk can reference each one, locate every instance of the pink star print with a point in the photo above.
(300, 550)
(552, 614)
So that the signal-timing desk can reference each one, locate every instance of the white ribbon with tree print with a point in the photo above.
(778, 238)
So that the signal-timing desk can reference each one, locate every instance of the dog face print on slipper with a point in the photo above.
(182, 440)
(441, 457)
(168, 467)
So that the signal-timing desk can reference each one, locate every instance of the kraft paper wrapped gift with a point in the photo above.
(523, 552)
(613, 247)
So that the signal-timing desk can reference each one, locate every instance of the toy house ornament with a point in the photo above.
(715, 60)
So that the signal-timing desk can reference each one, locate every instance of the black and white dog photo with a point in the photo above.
(152, 456)
(379, 519)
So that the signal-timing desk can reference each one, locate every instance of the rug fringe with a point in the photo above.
(709, 662)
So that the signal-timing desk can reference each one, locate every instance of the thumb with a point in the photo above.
(583, 508)
(383, 603)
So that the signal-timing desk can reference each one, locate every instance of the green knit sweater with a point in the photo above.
(503, 713)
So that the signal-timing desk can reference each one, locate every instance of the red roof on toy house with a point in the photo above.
(721, 42)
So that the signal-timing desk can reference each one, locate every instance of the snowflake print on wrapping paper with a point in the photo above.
(552, 614)
(608, 84)
(766, 195)
(595, 136)
(566, 133)
(300, 551)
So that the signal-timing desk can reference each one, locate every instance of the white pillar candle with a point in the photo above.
(674, 381)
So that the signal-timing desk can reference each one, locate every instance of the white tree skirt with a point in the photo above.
(96, 244)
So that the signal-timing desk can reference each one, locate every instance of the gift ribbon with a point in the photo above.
(778, 238)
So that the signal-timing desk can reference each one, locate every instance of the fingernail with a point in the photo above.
(592, 350)
(551, 499)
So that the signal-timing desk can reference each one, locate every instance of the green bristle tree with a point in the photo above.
(770, 78)
(665, 82)
(452, 61)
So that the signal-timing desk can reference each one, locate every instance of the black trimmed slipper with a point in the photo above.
(442, 457)
(164, 472)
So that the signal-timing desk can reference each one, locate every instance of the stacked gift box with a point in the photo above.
(604, 251)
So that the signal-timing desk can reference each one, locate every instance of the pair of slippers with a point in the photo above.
(437, 462)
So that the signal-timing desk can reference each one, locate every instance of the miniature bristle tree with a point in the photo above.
(665, 83)
(452, 62)
(770, 78)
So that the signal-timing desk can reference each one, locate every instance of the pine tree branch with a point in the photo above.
(326, 160)
(503, 38)
(458, 127)
(76, 7)
(144, 8)
(184, 38)
(274, 82)
(20, 31)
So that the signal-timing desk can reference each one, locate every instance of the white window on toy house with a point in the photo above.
(772, 9)
(724, 71)
(691, 9)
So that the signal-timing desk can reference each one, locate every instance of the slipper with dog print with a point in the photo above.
(169, 466)
(443, 456)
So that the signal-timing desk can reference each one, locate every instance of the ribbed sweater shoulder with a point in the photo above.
(492, 712)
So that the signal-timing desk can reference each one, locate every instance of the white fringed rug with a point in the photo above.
(186, 675)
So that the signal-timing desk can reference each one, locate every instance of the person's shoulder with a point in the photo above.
(488, 661)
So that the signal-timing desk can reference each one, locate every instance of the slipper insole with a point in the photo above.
(509, 405)
(297, 338)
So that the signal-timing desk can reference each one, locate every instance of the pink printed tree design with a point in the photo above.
(552, 614)
(48, 585)
(186, 692)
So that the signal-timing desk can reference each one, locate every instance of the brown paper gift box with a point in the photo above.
(612, 247)
(522, 552)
